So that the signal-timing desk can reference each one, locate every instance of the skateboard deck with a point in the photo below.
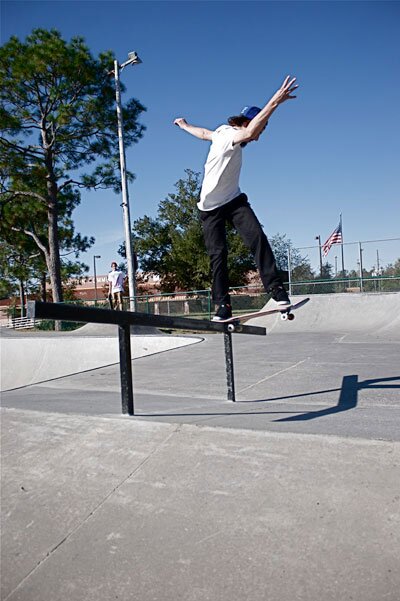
(284, 310)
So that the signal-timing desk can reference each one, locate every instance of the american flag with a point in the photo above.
(334, 238)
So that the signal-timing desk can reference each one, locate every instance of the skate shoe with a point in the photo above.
(224, 312)
(280, 295)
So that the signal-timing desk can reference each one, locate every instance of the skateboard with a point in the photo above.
(284, 310)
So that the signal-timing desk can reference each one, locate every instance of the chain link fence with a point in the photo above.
(365, 266)
(368, 267)
(354, 259)
(194, 304)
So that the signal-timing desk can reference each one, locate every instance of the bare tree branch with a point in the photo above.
(16, 193)
(26, 151)
(35, 238)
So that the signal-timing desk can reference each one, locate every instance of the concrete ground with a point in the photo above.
(291, 493)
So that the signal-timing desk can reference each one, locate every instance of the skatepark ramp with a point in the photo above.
(30, 359)
(74, 355)
(375, 315)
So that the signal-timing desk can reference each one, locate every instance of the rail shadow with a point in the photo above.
(348, 397)
(348, 400)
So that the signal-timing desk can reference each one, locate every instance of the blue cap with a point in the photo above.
(250, 111)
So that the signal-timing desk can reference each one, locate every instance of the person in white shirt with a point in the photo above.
(221, 199)
(116, 285)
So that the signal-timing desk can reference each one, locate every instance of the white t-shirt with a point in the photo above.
(117, 280)
(222, 170)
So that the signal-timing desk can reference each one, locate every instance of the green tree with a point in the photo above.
(18, 270)
(57, 119)
(391, 271)
(172, 244)
(31, 245)
(327, 271)
(281, 245)
(303, 272)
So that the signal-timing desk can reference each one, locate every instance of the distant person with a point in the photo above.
(221, 199)
(116, 280)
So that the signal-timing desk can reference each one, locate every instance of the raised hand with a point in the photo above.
(286, 90)
(180, 121)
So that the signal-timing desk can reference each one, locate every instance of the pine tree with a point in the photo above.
(57, 118)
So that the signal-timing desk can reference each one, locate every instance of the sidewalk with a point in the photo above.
(101, 508)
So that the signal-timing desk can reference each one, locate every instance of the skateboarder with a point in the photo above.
(116, 286)
(221, 199)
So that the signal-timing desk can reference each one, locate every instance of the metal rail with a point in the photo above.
(125, 319)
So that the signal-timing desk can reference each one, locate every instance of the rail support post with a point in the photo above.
(229, 366)
(124, 334)
(125, 319)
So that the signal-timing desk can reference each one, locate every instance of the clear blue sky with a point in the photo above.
(334, 149)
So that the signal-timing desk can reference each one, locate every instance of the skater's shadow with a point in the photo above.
(348, 397)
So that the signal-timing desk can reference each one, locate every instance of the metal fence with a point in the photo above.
(339, 285)
(21, 323)
(368, 258)
(357, 267)
(198, 303)
(194, 303)
(366, 270)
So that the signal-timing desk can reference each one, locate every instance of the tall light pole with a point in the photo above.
(95, 276)
(133, 59)
(320, 254)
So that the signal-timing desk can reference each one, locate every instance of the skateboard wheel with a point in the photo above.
(284, 316)
(290, 316)
(231, 327)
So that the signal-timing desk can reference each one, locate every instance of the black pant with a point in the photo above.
(239, 213)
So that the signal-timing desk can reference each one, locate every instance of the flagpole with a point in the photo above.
(341, 229)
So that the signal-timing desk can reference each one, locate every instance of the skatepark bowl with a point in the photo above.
(292, 492)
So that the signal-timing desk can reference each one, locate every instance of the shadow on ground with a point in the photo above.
(348, 397)
(348, 400)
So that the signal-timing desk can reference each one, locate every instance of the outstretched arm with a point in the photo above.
(258, 123)
(198, 132)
